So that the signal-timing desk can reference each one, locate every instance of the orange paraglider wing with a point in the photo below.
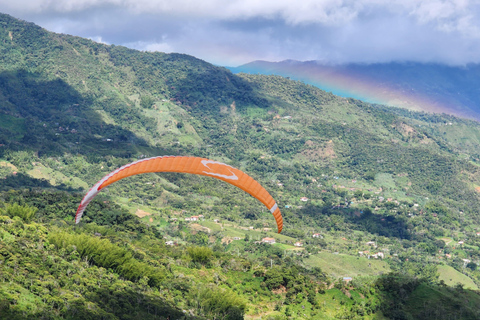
(192, 165)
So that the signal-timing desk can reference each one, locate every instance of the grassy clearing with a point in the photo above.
(334, 239)
(385, 180)
(285, 246)
(211, 225)
(452, 277)
(255, 112)
(56, 178)
(172, 125)
(342, 265)
(281, 237)
(232, 232)
(133, 207)
(8, 165)
(448, 241)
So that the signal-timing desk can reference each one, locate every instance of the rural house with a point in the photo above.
(268, 240)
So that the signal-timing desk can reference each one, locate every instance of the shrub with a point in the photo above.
(15, 210)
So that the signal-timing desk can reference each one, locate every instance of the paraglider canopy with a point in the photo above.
(194, 165)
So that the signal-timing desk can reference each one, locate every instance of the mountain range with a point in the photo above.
(428, 87)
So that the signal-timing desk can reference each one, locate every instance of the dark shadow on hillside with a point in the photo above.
(132, 304)
(364, 220)
(387, 226)
(198, 86)
(100, 303)
(405, 297)
(50, 117)
(22, 181)
(203, 92)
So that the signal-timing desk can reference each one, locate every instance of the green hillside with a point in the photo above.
(378, 180)
(339, 265)
(453, 277)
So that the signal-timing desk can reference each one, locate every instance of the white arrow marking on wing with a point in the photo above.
(206, 162)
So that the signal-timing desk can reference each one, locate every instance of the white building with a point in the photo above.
(268, 240)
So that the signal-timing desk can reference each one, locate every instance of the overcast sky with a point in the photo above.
(233, 32)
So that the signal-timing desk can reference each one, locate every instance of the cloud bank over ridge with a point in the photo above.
(236, 32)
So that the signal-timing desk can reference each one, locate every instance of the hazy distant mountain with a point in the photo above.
(419, 86)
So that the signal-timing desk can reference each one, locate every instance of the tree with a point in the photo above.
(358, 194)
(15, 210)
(146, 102)
(369, 175)
(219, 303)
(472, 266)
(274, 278)
(200, 255)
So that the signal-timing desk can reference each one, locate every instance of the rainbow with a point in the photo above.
(358, 82)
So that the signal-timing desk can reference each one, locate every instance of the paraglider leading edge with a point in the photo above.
(193, 165)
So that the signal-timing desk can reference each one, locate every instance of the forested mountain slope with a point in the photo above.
(362, 177)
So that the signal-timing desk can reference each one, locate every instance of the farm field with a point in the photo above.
(452, 277)
(342, 265)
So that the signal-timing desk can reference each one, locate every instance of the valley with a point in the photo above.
(380, 204)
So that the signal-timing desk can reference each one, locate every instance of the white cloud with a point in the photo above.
(98, 39)
(460, 16)
(243, 30)
(305, 11)
(436, 10)
(62, 6)
(446, 14)
(151, 46)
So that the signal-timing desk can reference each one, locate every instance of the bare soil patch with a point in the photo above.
(140, 213)
(315, 150)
